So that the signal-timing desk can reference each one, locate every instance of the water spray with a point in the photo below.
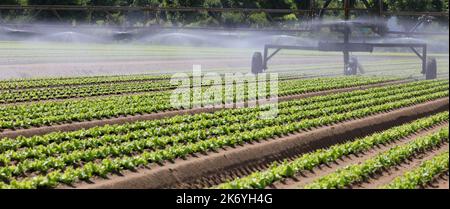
(346, 46)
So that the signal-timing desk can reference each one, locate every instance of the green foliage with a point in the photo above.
(422, 175)
(28, 115)
(67, 157)
(290, 18)
(323, 156)
(9, 2)
(259, 19)
(55, 2)
(232, 19)
(82, 91)
(212, 18)
(418, 5)
(394, 156)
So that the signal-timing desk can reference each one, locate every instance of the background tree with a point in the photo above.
(58, 15)
(9, 2)
(227, 19)
(7, 14)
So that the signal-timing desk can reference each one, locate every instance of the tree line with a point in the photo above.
(255, 19)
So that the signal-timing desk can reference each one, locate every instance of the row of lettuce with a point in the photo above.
(30, 83)
(57, 112)
(426, 173)
(345, 177)
(385, 160)
(71, 81)
(117, 88)
(68, 157)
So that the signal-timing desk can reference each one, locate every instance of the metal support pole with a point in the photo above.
(89, 17)
(57, 15)
(273, 54)
(346, 35)
(380, 4)
(325, 6)
(347, 9)
(266, 53)
(424, 60)
(158, 17)
(416, 52)
(109, 17)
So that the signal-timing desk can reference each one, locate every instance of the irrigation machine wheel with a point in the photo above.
(257, 63)
(352, 67)
(431, 72)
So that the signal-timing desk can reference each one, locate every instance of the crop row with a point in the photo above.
(53, 82)
(165, 127)
(216, 123)
(192, 126)
(167, 136)
(48, 113)
(12, 96)
(177, 124)
(421, 175)
(309, 161)
(206, 120)
(102, 160)
(285, 87)
(96, 80)
(356, 173)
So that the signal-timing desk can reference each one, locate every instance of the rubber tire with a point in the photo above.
(431, 69)
(352, 69)
(257, 63)
(354, 65)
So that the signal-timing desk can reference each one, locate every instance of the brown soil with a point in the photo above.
(386, 176)
(440, 182)
(304, 178)
(180, 172)
(154, 116)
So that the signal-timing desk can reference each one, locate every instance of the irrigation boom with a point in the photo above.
(346, 28)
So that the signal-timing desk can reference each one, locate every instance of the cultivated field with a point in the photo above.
(30, 60)
(94, 128)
